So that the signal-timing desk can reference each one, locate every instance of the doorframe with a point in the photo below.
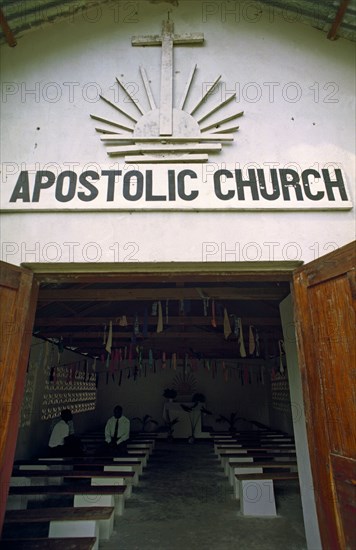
(162, 272)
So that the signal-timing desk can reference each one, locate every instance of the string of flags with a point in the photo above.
(133, 361)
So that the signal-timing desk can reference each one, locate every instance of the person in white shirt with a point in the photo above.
(62, 441)
(117, 431)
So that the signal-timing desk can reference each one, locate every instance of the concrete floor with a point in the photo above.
(185, 501)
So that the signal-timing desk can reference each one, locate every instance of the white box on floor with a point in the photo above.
(257, 498)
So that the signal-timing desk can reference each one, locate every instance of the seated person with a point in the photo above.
(62, 441)
(117, 431)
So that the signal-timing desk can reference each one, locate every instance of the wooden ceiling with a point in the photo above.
(80, 312)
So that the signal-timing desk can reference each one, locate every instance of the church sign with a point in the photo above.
(172, 187)
(160, 158)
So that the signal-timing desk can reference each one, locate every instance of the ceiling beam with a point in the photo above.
(9, 35)
(164, 271)
(338, 19)
(172, 321)
(154, 294)
(167, 335)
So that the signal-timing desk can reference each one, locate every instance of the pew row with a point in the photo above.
(83, 495)
(67, 543)
(91, 521)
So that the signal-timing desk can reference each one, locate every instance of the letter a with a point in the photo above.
(22, 188)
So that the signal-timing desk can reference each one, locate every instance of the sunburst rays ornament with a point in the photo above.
(167, 133)
(184, 383)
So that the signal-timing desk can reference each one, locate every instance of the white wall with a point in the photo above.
(250, 53)
(34, 430)
(224, 394)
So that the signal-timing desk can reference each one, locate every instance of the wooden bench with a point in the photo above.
(137, 459)
(80, 463)
(257, 467)
(84, 495)
(256, 492)
(95, 521)
(80, 543)
(142, 455)
(97, 477)
(254, 449)
(254, 456)
(92, 441)
(254, 446)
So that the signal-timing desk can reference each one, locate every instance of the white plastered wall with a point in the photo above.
(50, 85)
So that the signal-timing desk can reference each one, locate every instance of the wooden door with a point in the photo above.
(324, 298)
(18, 297)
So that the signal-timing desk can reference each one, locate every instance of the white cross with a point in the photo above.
(167, 41)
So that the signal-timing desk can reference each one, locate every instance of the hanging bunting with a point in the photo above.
(150, 359)
(281, 353)
(164, 363)
(120, 378)
(257, 339)
(174, 361)
(167, 313)
(227, 326)
(154, 309)
(109, 340)
(123, 321)
(251, 340)
(136, 326)
(112, 362)
(213, 319)
(241, 339)
(235, 326)
(104, 336)
(139, 356)
(160, 318)
(145, 323)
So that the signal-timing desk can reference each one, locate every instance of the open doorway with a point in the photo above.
(134, 275)
(208, 335)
